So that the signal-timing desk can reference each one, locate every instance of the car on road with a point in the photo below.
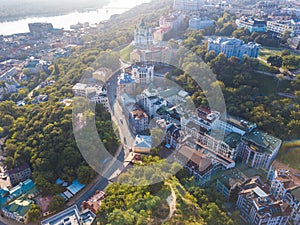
(121, 121)
(124, 139)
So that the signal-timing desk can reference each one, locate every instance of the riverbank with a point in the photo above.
(11, 11)
(92, 16)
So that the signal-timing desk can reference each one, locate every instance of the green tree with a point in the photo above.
(56, 70)
(85, 174)
(34, 213)
(157, 136)
(56, 204)
(275, 61)
(290, 62)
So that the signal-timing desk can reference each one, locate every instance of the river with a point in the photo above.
(65, 21)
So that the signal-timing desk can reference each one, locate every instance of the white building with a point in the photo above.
(233, 47)
(279, 27)
(257, 207)
(173, 20)
(142, 144)
(258, 149)
(71, 216)
(143, 74)
(138, 119)
(188, 5)
(231, 137)
(198, 23)
(143, 36)
(95, 93)
(252, 24)
(150, 101)
(285, 186)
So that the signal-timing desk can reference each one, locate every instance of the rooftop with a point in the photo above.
(70, 216)
(18, 169)
(137, 112)
(240, 123)
(94, 202)
(142, 141)
(286, 175)
(19, 206)
(261, 141)
(126, 78)
(189, 154)
(296, 192)
(170, 92)
(232, 139)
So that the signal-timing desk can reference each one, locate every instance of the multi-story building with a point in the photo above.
(172, 135)
(294, 42)
(71, 216)
(258, 149)
(173, 20)
(231, 137)
(143, 74)
(229, 184)
(95, 93)
(194, 128)
(18, 210)
(200, 166)
(150, 101)
(19, 174)
(233, 47)
(142, 144)
(39, 30)
(237, 125)
(143, 36)
(126, 83)
(258, 208)
(252, 24)
(154, 54)
(94, 202)
(279, 27)
(285, 186)
(167, 24)
(138, 119)
(16, 191)
(187, 5)
(198, 23)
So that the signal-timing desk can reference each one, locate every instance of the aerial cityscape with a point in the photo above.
(150, 112)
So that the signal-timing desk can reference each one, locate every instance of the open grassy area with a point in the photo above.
(265, 52)
(289, 154)
(270, 85)
(125, 53)
(264, 67)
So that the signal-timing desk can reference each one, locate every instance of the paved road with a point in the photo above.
(119, 116)
(116, 163)
(102, 183)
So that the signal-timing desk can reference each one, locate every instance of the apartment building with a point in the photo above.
(200, 23)
(252, 24)
(285, 186)
(279, 27)
(138, 119)
(257, 207)
(19, 174)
